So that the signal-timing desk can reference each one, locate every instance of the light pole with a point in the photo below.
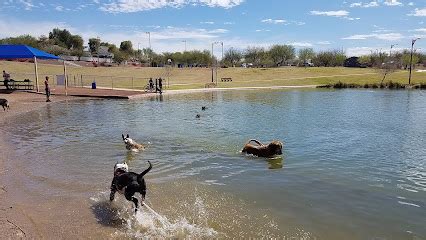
(390, 52)
(184, 41)
(98, 43)
(213, 65)
(149, 39)
(221, 60)
(411, 58)
(139, 51)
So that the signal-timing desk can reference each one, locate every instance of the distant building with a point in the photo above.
(353, 62)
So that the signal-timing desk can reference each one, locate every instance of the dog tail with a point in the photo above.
(140, 176)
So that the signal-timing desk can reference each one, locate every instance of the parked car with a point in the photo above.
(308, 64)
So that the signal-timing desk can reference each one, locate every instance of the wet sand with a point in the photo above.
(15, 223)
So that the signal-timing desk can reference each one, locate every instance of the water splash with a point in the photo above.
(147, 223)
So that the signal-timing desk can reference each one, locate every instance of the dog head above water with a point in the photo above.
(276, 147)
(120, 168)
(131, 144)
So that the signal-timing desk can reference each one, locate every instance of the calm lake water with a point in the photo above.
(354, 165)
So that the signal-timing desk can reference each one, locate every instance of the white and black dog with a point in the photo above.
(4, 103)
(131, 144)
(128, 183)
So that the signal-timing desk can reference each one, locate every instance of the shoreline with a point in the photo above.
(14, 223)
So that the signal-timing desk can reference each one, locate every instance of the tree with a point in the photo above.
(23, 39)
(126, 46)
(76, 42)
(62, 38)
(94, 44)
(306, 54)
(406, 60)
(232, 57)
(119, 57)
(280, 54)
(331, 58)
(56, 50)
(255, 55)
(365, 60)
(386, 69)
(339, 58)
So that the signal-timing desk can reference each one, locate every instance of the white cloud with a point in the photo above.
(274, 21)
(359, 51)
(418, 12)
(420, 30)
(410, 4)
(382, 36)
(376, 3)
(28, 5)
(127, 6)
(301, 44)
(219, 30)
(229, 23)
(365, 5)
(59, 8)
(341, 13)
(393, 3)
(208, 22)
(323, 43)
(13, 28)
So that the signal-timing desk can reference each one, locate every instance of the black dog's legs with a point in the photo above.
(130, 191)
(113, 190)
(112, 195)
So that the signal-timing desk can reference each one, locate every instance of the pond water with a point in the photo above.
(353, 165)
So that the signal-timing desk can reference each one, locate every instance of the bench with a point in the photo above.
(19, 85)
(210, 85)
(226, 79)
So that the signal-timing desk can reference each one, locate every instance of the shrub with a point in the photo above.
(340, 85)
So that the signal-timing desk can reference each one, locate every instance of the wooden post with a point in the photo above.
(65, 79)
(36, 73)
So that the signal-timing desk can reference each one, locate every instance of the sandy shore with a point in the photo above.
(14, 223)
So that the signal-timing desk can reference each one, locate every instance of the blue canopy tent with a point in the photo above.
(24, 51)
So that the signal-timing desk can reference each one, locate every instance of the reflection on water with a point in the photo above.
(353, 160)
(276, 163)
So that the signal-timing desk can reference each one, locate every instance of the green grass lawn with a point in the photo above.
(189, 78)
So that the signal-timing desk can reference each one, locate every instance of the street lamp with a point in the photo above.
(213, 43)
(184, 41)
(98, 43)
(149, 39)
(411, 58)
(390, 52)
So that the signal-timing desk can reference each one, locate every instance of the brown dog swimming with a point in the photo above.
(261, 150)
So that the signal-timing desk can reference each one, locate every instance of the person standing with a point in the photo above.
(151, 85)
(6, 77)
(160, 85)
(47, 89)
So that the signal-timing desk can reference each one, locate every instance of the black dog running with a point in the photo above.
(129, 183)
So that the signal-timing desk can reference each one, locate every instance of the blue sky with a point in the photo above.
(356, 26)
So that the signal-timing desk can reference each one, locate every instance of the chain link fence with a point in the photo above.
(85, 81)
